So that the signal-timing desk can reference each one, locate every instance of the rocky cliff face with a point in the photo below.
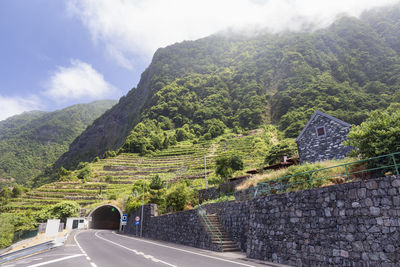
(110, 130)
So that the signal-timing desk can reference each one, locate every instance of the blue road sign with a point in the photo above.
(137, 223)
(124, 217)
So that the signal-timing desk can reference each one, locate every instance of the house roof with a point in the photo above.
(317, 112)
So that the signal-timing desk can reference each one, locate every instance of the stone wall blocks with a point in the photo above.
(375, 211)
(371, 184)
(368, 202)
(396, 182)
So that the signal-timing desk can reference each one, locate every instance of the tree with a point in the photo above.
(378, 135)
(61, 211)
(156, 183)
(17, 191)
(227, 164)
(157, 192)
(286, 147)
(177, 198)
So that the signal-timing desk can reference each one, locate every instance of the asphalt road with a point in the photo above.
(101, 248)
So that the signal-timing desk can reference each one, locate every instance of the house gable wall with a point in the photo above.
(313, 148)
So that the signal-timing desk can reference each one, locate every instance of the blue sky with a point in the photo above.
(55, 53)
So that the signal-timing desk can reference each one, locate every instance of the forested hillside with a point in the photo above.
(196, 89)
(32, 141)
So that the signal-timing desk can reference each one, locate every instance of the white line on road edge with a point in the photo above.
(136, 252)
(187, 251)
(79, 246)
(56, 260)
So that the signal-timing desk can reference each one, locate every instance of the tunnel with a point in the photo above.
(105, 217)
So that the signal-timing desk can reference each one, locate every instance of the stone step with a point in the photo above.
(230, 249)
(229, 244)
(218, 235)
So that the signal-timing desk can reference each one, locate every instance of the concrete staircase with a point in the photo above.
(218, 234)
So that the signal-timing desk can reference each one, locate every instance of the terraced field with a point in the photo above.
(113, 176)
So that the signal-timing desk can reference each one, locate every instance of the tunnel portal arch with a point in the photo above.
(105, 216)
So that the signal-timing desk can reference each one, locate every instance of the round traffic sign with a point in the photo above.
(137, 218)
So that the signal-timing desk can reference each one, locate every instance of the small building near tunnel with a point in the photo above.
(322, 138)
(105, 217)
(76, 223)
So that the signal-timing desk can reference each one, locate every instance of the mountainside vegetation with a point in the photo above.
(33, 141)
(194, 90)
(215, 108)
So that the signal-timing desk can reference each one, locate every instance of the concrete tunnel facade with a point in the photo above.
(105, 217)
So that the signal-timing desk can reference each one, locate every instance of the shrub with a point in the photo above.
(132, 204)
(81, 165)
(227, 164)
(6, 230)
(301, 181)
(286, 147)
(156, 183)
(6, 193)
(108, 179)
(177, 198)
(85, 173)
(17, 191)
(109, 154)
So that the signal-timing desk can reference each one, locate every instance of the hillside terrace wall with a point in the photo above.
(353, 224)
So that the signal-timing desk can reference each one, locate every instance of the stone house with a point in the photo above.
(322, 137)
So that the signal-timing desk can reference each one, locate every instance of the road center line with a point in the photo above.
(56, 260)
(135, 251)
(183, 250)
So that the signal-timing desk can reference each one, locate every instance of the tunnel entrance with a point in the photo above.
(105, 217)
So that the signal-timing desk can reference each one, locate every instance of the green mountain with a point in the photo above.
(32, 141)
(196, 89)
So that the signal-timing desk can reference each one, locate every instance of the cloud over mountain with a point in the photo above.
(79, 81)
(131, 28)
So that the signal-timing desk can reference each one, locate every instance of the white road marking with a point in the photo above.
(136, 252)
(56, 260)
(183, 250)
(79, 246)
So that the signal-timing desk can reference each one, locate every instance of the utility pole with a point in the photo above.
(205, 170)
(141, 217)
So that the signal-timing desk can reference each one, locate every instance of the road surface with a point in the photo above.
(103, 248)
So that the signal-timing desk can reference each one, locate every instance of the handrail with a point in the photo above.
(282, 184)
(202, 212)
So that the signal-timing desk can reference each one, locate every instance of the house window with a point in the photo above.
(321, 131)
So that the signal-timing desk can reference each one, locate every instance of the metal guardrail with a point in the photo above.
(30, 250)
(203, 214)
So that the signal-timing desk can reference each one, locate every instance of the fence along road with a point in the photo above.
(101, 248)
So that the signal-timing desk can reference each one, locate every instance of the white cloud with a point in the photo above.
(130, 28)
(15, 105)
(80, 81)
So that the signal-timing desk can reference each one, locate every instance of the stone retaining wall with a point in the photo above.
(353, 224)
(183, 227)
